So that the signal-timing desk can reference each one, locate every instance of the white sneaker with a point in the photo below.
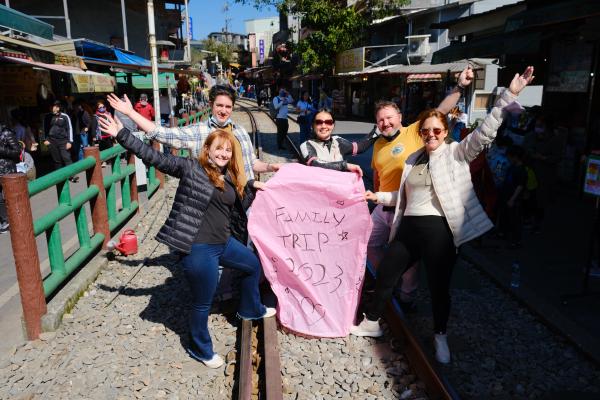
(271, 312)
(442, 352)
(215, 362)
(367, 328)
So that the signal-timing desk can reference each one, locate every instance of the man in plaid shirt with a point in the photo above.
(192, 137)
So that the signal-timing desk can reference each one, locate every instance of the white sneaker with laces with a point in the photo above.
(442, 352)
(271, 312)
(215, 362)
(367, 328)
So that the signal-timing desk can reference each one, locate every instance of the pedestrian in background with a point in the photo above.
(436, 210)
(85, 124)
(304, 109)
(263, 97)
(104, 140)
(512, 193)
(144, 108)
(207, 223)
(325, 102)
(59, 138)
(10, 151)
(544, 150)
(280, 104)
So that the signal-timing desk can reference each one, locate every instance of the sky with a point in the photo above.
(208, 16)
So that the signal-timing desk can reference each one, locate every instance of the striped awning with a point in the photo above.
(423, 78)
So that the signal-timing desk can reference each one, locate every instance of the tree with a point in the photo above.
(224, 50)
(334, 26)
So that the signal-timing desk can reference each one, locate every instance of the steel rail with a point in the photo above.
(436, 385)
(269, 373)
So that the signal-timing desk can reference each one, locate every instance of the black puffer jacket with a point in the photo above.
(191, 199)
(10, 151)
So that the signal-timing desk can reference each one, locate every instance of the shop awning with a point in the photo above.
(145, 81)
(13, 19)
(18, 59)
(82, 81)
(423, 78)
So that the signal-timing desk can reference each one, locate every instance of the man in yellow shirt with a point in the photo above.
(390, 152)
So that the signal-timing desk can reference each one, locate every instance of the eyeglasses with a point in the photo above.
(436, 131)
(327, 122)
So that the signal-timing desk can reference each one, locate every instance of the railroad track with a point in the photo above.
(247, 106)
(262, 360)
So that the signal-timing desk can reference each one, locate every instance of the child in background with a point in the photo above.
(511, 203)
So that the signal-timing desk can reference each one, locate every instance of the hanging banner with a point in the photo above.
(311, 227)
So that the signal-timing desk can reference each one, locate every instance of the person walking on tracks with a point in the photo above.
(280, 103)
(59, 138)
(192, 137)
(208, 224)
(436, 210)
(10, 151)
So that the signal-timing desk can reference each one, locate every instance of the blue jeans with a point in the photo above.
(201, 268)
(84, 143)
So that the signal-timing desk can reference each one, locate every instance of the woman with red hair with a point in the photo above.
(207, 223)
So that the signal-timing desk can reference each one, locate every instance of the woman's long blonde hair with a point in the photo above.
(212, 170)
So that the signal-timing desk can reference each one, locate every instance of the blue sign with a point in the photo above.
(261, 51)
(191, 32)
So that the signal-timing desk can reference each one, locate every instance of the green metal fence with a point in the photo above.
(60, 267)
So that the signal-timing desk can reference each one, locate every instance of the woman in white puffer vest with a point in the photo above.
(436, 211)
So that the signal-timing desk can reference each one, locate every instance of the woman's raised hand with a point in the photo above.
(109, 125)
(520, 81)
(116, 103)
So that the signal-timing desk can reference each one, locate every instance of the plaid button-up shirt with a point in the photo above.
(192, 137)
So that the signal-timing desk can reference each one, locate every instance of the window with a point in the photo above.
(482, 101)
(479, 80)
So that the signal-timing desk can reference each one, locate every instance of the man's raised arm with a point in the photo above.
(465, 78)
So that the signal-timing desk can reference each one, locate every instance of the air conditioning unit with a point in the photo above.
(418, 47)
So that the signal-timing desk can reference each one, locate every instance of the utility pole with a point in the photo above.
(67, 20)
(153, 60)
(188, 33)
(227, 19)
(124, 18)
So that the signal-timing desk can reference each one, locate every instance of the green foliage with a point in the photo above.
(224, 50)
(334, 26)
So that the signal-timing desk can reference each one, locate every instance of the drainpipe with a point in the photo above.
(124, 18)
(153, 60)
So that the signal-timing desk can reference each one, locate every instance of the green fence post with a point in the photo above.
(98, 204)
(133, 189)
